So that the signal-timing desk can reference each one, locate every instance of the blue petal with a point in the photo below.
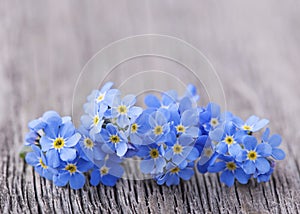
(86, 121)
(235, 149)
(129, 100)
(72, 141)
(249, 142)
(160, 164)
(67, 130)
(216, 134)
(262, 165)
(134, 111)
(193, 155)
(192, 131)
(186, 173)
(275, 140)
(184, 104)
(152, 101)
(106, 87)
(123, 121)
(173, 180)
(109, 180)
(252, 120)
(222, 148)
(84, 166)
(262, 123)
(32, 159)
(217, 167)
(241, 176)
(61, 179)
(53, 158)
(77, 181)
(46, 143)
(214, 109)
(121, 149)
(249, 167)
(264, 149)
(278, 154)
(115, 169)
(147, 166)
(68, 154)
(265, 135)
(227, 177)
(95, 177)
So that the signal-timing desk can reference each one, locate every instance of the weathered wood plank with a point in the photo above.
(254, 46)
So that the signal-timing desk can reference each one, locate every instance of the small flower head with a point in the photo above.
(37, 159)
(72, 172)
(59, 140)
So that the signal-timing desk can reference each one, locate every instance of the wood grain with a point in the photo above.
(254, 46)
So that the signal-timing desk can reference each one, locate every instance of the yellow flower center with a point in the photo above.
(180, 129)
(100, 97)
(247, 128)
(175, 170)
(104, 170)
(252, 155)
(58, 143)
(42, 164)
(177, 149)
(229, 140)
(214, 122)
(158, 130)
(154, 153)
(134, 128)
(122, 109)
(208, 152)
(88, 143)
(114, 139)
(96, 120)
(71, 168)
(231, 165)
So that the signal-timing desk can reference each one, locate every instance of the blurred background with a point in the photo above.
(251, 44)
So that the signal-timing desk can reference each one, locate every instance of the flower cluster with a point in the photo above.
(169, 136)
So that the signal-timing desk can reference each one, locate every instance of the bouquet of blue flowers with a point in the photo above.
(172, 136)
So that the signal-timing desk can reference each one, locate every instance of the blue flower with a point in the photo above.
(186, 124)
(106, 172)
(227, 139)
(191, 92)
(274, 141)
(91, 149)
(265, 176)
(207, 152)
(37, 159)
(254, 156)
(72, 172)
(59, 140)
(174, 173)
(210, 117)
(168, 101)
(103, 96)
(252, 124)
(114, 141)
(123, 110)
(138, 128)
(182, 151)
(36, 127)
(93, 120)
(153, 158)
(159, 127)
(230, 169)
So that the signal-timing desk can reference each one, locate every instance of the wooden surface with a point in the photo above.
(254, 46)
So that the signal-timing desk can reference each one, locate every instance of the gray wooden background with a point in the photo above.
(254, 46)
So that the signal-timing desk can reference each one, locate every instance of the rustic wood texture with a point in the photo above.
(254, 46)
